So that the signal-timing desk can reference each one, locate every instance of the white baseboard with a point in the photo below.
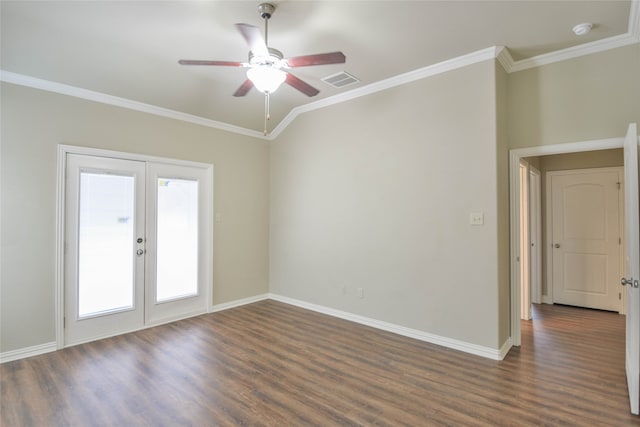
(478, 350)
(504, 350)
(464, 346)
(238, 303)
(23, 353)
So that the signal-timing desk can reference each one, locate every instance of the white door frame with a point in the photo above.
(535, 235)
(525, 250)
(515, 155)
(63, 150)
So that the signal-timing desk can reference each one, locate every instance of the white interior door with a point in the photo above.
(632, 223)
(104, 274)
(586, 237)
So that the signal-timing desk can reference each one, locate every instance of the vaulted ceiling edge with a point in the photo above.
(497, 52)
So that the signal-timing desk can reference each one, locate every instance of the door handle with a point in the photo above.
(632, 283)
(140, 251)
(556, 245)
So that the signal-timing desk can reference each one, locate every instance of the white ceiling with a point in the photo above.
(130, 49)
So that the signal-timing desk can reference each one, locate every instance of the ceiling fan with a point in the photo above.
(267, 67)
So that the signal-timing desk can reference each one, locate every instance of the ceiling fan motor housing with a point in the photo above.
(266, 10)
(275, 57)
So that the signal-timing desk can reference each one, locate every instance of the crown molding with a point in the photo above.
(632, 36)
(505, 59)
(401, 79)
(574, 52)
(103, 98)
(496, 52)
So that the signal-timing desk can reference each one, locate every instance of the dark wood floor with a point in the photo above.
(268, 364)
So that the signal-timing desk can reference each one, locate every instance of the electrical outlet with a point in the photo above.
(360, 292)
(344, 289)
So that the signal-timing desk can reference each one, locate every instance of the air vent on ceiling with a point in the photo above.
(340, 79)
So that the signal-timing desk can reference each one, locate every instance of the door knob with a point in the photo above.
(140, 251)
(632, 283)
(556, 245)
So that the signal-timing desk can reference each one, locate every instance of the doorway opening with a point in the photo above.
(630, 144)
(524, 165)
(581, 249)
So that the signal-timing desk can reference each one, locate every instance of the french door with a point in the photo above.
(135, 245)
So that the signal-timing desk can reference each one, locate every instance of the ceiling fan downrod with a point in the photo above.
(266, 10)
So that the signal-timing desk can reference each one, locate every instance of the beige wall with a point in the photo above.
(376, 193)
(373, 193)
(35, 122)
(590, 97)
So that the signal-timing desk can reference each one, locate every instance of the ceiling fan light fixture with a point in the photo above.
(266, 78)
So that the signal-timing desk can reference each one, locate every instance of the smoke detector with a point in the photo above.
(582, 29)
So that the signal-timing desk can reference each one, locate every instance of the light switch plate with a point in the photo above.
(476, 218)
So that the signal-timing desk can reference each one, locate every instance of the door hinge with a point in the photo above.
(618, 184)
(64, 322)
(620, 296)
(619, 240)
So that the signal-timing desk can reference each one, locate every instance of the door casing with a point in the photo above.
(525, 252)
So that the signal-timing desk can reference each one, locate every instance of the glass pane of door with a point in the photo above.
(177, 239)
(105, 244)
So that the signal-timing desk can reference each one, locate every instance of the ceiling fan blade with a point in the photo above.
(319, 59)
(244, 88)
(198, 62)
(302, 86)
(254, 39)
